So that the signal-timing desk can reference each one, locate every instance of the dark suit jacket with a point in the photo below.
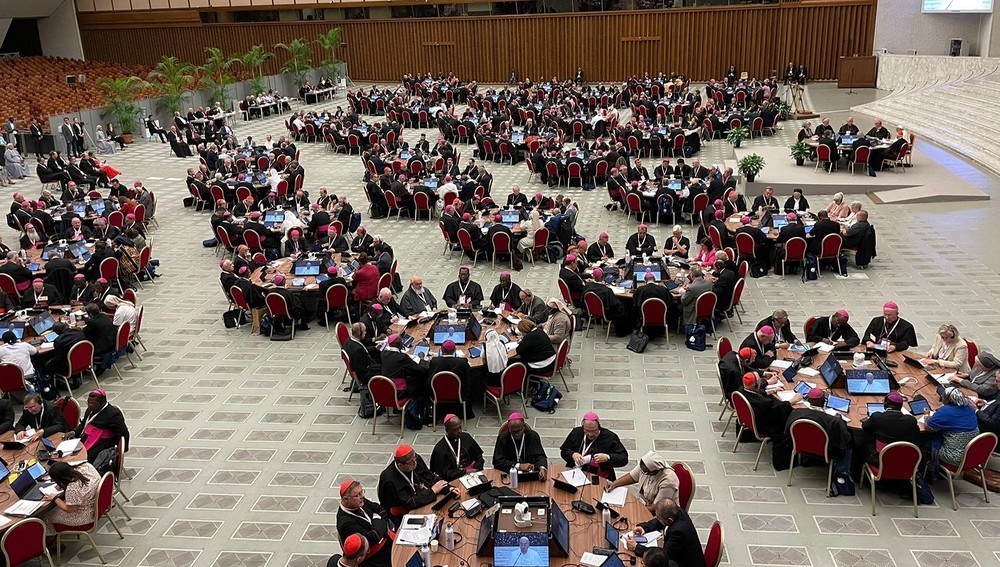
(102, 332)
(48, 290)
(50, 420)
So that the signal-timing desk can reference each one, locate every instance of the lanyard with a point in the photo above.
(603, 249)
(409, 479)
(363, 515)
(641, 242)
(91, 418)
(454, 451)
(585, 447)
(464, 288)
(518, 449)
(38, 418)
(886, 331)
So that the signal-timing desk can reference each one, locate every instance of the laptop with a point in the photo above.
(27, 487)
(415, 560)
(455, 333)
(859, 384)
(98, 207)
(831, 370)
(80, 208)
(485, 528)
(611, 537)
(559, 527)
(510, 217)
(43, 327)
(802, 389)
(475, 352)
(475, 328)
(843, 405)
(640, 271)
(52, 251)
(613, 561)
(431, 182)
(79, 250)
(307, 267)
(912, 362)
(875, 407)
(16, 327)
(520, 549)
(405, 155)
(517, 137)
(780, 221)
(809, 228)
(273, 218)
(563, 485)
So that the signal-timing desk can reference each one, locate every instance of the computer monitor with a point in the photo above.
(78, 249)
(674, 185)
(272, 218)
(875, 407)
(308, 267)
(42, 323)
(520, 549)
(405, 155)
(831, 369)
(455, 333)
(16, 327)
(871, 383)
(98, 206)
(780, 221)
(560, 527)
(767, 219)
(475, 327)
(510, 217)
(517, 137)
(485, 528)
(431, 182)
(640, 271)
(79, 207)
(53, 251)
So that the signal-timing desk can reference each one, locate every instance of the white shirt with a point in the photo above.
(19, 354)
(125, 313)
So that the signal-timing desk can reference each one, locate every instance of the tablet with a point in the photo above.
(843, 405)
(918, 407)
(874, 408)
(802, 389)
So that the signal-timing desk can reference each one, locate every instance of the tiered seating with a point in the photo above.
(958, 115)
(36, 86)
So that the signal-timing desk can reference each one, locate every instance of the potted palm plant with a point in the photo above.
(800, 151)
(299, 62)
(216, 74)
(329, 42)
(750, 166)
(119, 99)
(254, 61)
(173, 79)
(735, 136)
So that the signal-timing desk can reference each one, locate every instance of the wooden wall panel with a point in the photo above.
(609, 46)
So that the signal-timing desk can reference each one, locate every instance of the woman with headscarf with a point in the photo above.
(655, 479)
(528, 242)
(495, 352)
(982, 379)
(102, 141)
(949, 351)
(956, 423)
(124, 310)
(559, 325)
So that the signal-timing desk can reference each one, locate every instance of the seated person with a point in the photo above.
(417, 298)
(101, 426)
(680, 537)
(949, 351)
(889, 426)
(593, 448)
(457, 453)
(519, 446)
(956, 423)
(982, 379)
(464, 292)
(655, 478)
(892, 329)
(834, 330)
(677, 245)
(641, 243)
(407, 484)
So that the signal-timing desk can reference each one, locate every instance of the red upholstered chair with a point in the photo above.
(737, 299)
(829, 249)
(574, 171)
(393, 203)
(541, 241)
(896, 461)
(80, 359)
(552, 171)
(531, 169)
(421, 204)
(973, 349)
(748, 422)
(975, 457)
(705, 308)
(278, 307)
(349, 371)
(686, 484)
(103, 500)
(465, 240)
(724, 347)
(562, 358)
(253, 241)
(795, 252)
(343, 333)
(336, 298)
(823, 156)
(24, 541)
(861, 156)
(715, 237)
(633, 205)
(11, 378)
(699, 205)
(121, 343)
(449, 241)
(386, 394)
(226, 247)
(757, 127)
(512, 381)
(501, 246)
(809, 438)
(596, 310)
(716, 545)
(745, 247)
(654, 314)
(71, 411)
(9, 287)
(109, 271)
(446, 388)
(117, 218)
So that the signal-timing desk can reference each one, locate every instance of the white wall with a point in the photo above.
(900, 26)
(60, 33)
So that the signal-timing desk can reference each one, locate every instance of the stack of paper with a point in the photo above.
(575, 477)
(781, 363)
(786, 395)
(67, 447)
(616, 497)
(823, 347)
(24, 508)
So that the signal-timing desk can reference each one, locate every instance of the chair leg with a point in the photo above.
(951, 488)
(791, 467)
(97, 549)
(129, 357)
(119, 372)
(94, 376)
(48, 556)
(760, 452)
(607, 336)
(913, 484)
(739, 433)
(728, 421)
(982, 477)
(118, 489)
(375, 419)
(829, 477)
(66, 380)
(872, 481)
(121, 508)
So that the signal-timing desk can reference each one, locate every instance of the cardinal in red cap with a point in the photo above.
(362, 523)
(594, 448)
(457, 453)
(407, 484)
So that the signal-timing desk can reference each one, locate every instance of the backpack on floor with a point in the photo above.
(810, 271)
(546, 398)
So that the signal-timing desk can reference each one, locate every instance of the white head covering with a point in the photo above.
(496, 352)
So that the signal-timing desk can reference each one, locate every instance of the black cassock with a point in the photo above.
(371, 522)
(508, 452)
(449, 467)
(400, 492)
(637, 246)
(473, 293)
(607, 442)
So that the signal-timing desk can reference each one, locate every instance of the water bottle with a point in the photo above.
(72, 319)
(449, 538)
(513, 476)
(425, 555)
(606, 515)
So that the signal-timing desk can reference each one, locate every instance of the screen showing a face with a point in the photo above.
(512, 549)
(879, 386)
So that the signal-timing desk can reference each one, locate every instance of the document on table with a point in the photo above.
(67, 447)
(823, 347)
(786, 395)
(592, 559)
(416, 529)
(616, 497)
(575, 477)
(24, 508)
(809, 371)
(944, 377)
(781, 364)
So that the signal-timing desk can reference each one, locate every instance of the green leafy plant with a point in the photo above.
(750, 166)
(300, 55)
(784, 109)
(216, 74)
(119, 98)
(799, 152)
(173, 79)
(254, 61)
(329, 42)
(737, 135)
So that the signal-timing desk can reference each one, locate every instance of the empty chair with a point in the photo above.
(809, 438)
(896, 461)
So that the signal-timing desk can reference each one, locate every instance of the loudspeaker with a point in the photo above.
(955, 49)
(70, 79)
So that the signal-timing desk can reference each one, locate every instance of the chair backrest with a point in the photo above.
(700, 202)
(11, 377)
(446, 387)
(8, 286)
(743, 268)
(823, 152)
(685, 484)
(384, 392)
(716, 545)
(724, 347)
(830, 247)
(123, 335)
(80, 357)
(276, 305)
(140, 213)
(898, 461)
(144, 256)
(562, 355)
(810, 438)
(552, 169)
(385, 281)
(220, 233)
(236, 294)
(795, 249)
(117, 218)
(501, 242)
(862, 154)
(421, 201)
(71, 412)
(973, 349)
(109, 268)
(120, 461)
(745, 245)
(564, 291)
(541, 239)
(513, 378)
(977, 452)
(744, 412)
(465, 239)
(654, 313)
(336, 296)
(741, 285)
(252, 239)
(23, 541)
(347, 364)
(595, 307)
(634, 202)
(105, 495)
(343, 333)
(807, 327)
(705, 306)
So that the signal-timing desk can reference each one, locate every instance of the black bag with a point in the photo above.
(842, 262)
(758, 270)
(638, 341)
(695, 337)
(367, 408)
(546, 398)
(188, 201)
(413, 415)
(234, 318)
(811, 269)
(210, 243)
(355, 223)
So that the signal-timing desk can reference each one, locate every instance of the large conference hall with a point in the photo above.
(270, 265)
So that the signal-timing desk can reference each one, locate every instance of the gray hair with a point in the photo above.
(779, 313)
(721, 256)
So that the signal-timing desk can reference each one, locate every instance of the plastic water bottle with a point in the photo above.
(425, 555)
(449, 538)
(72, 319)
(606, 515)
(513, 476)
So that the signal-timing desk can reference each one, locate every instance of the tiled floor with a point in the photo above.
(237, 441)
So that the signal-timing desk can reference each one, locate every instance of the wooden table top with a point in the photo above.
(263, 276)
(585, 531)
(420, 331)
(921, 383)
(7, 495)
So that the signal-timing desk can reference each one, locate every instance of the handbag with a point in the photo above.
(234, 318)
(638, 341)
